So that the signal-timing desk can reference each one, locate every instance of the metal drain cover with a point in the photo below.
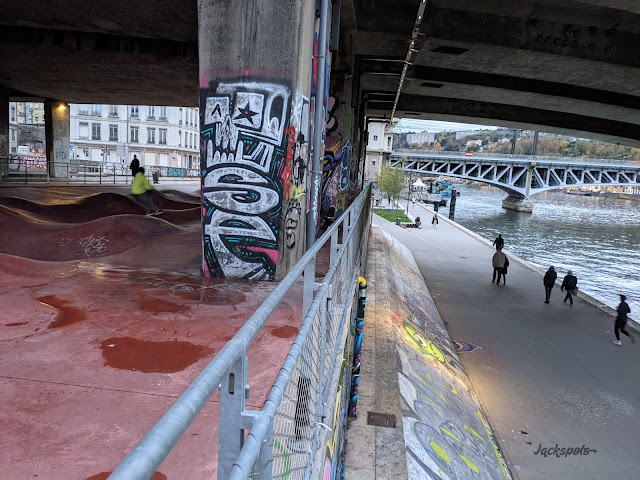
(381, 419)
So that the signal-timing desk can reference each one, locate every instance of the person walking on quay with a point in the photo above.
(434, 220)
(504, 270)
(499, 242)
(621, 321)
(498, 262)
(548, 282)
(570, 284)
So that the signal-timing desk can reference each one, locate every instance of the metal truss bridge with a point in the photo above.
(520, 177)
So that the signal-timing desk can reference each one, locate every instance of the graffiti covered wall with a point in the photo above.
(446, 434)
(254, 146)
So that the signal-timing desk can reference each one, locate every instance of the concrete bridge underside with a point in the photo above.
(556, 65)
(520, 178)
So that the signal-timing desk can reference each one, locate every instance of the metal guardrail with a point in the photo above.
(285, 434)
(505, 156)
(36, 169)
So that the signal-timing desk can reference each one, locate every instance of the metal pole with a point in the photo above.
(319, 127)
(409, 192)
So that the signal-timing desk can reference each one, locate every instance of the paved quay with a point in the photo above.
(545, 375)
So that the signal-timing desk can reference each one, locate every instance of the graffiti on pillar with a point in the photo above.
(332, 121)
(245, 138)
(338, 177)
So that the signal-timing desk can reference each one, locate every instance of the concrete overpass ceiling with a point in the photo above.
(158, 19)
(537, 63)
(116, 51)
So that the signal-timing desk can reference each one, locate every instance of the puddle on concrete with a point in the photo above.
(66, 315)
(127, 353)
(104, 475)
(15, 324)
(159, 306)
(286, 331)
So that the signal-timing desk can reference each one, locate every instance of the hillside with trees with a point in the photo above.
(500, 141)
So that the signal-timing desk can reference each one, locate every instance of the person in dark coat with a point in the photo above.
(504, 270)
(499, 242)
(135, 165)
(570, 284)
(498, 262)
(621, 321)
(548, 282)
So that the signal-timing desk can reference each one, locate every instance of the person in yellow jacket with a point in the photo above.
(140, 190)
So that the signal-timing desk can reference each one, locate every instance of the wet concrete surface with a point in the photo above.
(94, 350)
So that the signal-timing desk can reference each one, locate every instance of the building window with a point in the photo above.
(133, 138)
(151, 112)
(151, 135)
(162, 136)
(134, 112)
(13, 135)
(388, 141)
(113, 110)
(13, 113)
(180, 136)
(163, 113)
(95, 110)
(95, 131)
(83, 130)
(180, 116)
(83, 110)
(375, 138)
(113, 133)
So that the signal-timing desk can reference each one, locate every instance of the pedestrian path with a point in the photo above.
(545, 375)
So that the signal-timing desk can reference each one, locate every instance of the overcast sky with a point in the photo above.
(413, 125)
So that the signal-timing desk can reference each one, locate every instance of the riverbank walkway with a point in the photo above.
(545, 375)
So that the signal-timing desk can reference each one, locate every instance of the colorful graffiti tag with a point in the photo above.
(339, 173)
(446, 434)
(250, 129)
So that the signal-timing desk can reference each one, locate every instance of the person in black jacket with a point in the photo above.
(499, 242)
(621, 321)
(548, 282)
(570, 284)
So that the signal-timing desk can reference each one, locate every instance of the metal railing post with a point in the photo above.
(233, 418)
(100, 173)
(25, 172)
(309, 286)
(85, 172)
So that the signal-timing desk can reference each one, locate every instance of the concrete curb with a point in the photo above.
(587, 298)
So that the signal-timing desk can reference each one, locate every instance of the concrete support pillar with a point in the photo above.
(255, 82)
(518, 202)
(4, 133)
(57, 128)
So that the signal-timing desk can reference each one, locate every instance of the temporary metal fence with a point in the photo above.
(283, 439)
(36, 169)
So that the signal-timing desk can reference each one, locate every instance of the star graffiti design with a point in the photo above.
(246, 113)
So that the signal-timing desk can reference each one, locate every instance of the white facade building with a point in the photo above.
(380, 143)
(421, 138)
(158, 135)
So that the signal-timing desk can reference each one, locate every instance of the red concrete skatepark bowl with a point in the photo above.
(105, 321)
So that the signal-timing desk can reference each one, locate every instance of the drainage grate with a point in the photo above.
(381, 419)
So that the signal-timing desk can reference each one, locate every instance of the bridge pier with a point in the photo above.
(518, 202)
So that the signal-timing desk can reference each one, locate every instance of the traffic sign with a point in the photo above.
(102, 148)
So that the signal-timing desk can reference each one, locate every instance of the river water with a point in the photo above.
(598, 238)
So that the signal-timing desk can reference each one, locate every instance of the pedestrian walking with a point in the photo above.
(140, 189)
(621, 321)
(498, 262)
(570, 284)
(504, 270)
(548, 282)
(434, 220)
(134, 166)
(499, 242)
